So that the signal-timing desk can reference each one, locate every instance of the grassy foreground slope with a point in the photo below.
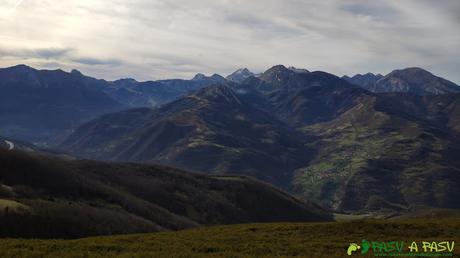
(248, 240)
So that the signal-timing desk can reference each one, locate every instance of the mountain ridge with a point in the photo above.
(411, 80)
(39, 104)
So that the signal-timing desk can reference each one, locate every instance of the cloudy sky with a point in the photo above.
(155, 39)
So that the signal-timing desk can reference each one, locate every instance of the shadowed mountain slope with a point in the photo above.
(213, 130)
(38, 105)
(47, 197)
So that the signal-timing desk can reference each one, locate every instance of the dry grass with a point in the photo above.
(248, 240)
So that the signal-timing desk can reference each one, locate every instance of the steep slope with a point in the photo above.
(213, 130)
(410, 80)
(442, 111)
(381, 155)
(40, 105)
(48, 197)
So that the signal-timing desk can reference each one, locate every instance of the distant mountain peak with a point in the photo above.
(240, 75)
(366, 75)
(370, 75)
(216, 77)
(76, 72)
(411, 71)
(277, 68)
(298, 70)
(363, 80)
(20, 68)
(199, 76)
(276, 74)
(242, 71)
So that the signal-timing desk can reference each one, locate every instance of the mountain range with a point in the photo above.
(311, 133)
(43, 106)
(410, 80)
(360, 144)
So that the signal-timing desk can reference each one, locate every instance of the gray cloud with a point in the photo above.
(155, 39)
(375, 9)
(95, 61)
(48, 53)
(45, 53)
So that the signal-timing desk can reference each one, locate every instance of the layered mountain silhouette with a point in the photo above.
(44, 105)
(411, 80)
(38, 105)
(312, 133)
(154, 93)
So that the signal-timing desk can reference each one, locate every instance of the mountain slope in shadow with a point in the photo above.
(42, 196)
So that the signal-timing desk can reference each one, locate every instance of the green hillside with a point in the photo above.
(251, 240)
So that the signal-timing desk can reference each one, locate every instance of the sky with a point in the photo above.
(157, 39)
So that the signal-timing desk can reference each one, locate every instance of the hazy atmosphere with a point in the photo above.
(153, 39)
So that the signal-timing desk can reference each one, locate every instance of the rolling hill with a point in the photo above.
(47, 197)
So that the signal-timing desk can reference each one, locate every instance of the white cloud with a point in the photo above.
(151, 39)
